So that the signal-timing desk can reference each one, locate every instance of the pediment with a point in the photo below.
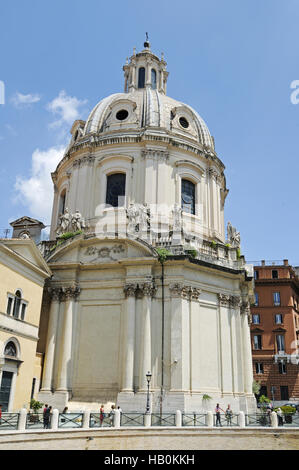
(98, 251)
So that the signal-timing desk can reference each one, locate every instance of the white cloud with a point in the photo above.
(36, 192)
(66, 108)
(19, 100)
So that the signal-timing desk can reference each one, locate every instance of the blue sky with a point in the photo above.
(233, 61)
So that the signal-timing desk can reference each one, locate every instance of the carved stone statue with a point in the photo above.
(132, 214)
(139, 218)
(177, 218)
(64, 222)
(78, 222)
(233, 237)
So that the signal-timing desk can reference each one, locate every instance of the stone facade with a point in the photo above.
(118, 309)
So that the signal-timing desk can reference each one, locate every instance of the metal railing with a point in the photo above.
(38, 421)
(289, 420)
(256, 419)
(9, 421)
(99, 420)
(132, 419)
(226, 420)
(164, 419)
(70, 420)
(194, 419)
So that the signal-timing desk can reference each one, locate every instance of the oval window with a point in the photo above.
(184, 123)
(122, 114)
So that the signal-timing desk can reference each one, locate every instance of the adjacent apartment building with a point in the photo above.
(23, 272)
(275, 330)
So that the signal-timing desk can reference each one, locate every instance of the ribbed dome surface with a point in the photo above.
(147, 108)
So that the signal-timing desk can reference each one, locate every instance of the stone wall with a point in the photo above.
(153, 439)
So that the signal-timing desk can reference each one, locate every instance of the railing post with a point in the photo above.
(178, 418)
(86, 419)
(209, 419)
(147, 420)
(274, 420)
(116, 421)
(242, 419)
(22, 420)
(54, 420)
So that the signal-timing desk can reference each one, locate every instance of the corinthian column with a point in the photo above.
(148, 291)
(247, 355)
(129, 340)
(69, 296)
(51, 340)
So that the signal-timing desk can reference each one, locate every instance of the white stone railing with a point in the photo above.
(69, 421)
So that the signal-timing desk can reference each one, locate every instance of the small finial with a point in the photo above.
(127, 61)
(134, 50)
(162, 55)
(146, 44)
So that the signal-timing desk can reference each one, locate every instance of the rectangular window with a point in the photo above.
(274, 274)
(284, 392)
(257, 341)
(9, 305)
(280, 342)
(256, 298)
(33, 387)
(256, 274)
(276, 298)
(23, 310)
(263, 391)
(259, 367)
(282, 367)
(278, 318)
(256, 318)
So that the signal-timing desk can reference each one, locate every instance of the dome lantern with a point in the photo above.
(145, 70)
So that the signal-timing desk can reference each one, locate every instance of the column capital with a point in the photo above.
(130, 290)
(226, 300)
(55, 293)
(148, 289)
(184, 291)
(70, 292)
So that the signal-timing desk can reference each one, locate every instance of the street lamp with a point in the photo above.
(148, 378)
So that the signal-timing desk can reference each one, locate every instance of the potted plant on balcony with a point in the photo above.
(34, 406)
(288, 412)
(264, 406)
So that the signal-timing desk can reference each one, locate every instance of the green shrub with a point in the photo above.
(288, 409)
(35, 405)
(163, 253)
(66, 235)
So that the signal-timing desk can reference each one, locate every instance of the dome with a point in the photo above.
(147, 108)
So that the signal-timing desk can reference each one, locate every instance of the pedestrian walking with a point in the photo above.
(280, 417)
(102, 415)
(228, 415)
(111, 414)
(47, 416)
(44, 415)
(217, 412)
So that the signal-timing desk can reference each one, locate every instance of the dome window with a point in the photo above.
(122, 114)
(116, 188)
(141, 77)
(154, 79)
(184, 123)
(188, 196)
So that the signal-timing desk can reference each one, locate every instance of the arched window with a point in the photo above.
(116, 189)
(141, 77)
(10, 349)
(188, 196)
(17, 304)
(154, 79)
(62, 199)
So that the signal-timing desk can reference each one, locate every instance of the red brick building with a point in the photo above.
(275, 330)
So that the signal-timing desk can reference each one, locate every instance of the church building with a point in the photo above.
(144, 277)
